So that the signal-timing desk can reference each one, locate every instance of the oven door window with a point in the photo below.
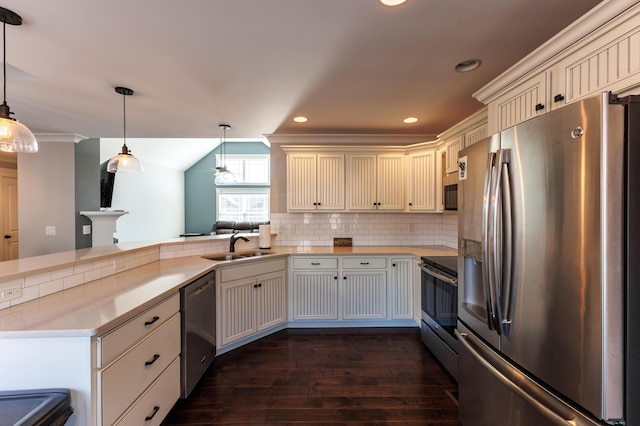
(440, 301)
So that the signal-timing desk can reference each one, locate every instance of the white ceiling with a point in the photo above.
(351, 66)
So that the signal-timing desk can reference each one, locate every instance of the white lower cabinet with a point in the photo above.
(364, 288)
(251, 299)
(401, 276)
(349, 290)
(139, 367)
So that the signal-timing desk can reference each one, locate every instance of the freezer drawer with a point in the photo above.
(522, 401)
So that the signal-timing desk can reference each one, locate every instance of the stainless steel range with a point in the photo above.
(439, 303)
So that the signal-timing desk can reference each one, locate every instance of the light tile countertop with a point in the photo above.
(96, 307)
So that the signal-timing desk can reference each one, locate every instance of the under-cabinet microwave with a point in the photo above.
(450, 192)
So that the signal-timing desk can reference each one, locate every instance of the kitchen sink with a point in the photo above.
(237, 255)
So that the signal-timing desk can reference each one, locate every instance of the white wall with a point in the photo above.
(154, 200)
(46, 196)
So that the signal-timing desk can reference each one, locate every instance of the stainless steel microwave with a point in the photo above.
(450, 192)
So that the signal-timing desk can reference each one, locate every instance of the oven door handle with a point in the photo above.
(439, 276)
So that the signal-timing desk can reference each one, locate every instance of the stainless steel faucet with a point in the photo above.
(234, 238)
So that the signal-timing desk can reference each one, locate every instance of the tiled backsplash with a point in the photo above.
(292, 229)
(366, 229)
(55, 280)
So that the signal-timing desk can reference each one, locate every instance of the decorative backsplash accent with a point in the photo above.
(366, 229)
(342, 242)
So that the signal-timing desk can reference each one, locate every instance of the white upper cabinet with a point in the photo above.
(375, 181)
(524, 102)
(315, 182)
(599, 52)
(422, 181)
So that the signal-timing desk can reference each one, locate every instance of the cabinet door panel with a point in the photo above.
(271, 301)
(315, 295)
(331, 182)
(401, 288)
(236, 310)
(523, 104)
(301, 182)
(364, 295)
(390, 182)
(362, 182)
(422, 186)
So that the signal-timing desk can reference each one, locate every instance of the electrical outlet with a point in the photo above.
(86, 229)
(49, 230)
(11, 291)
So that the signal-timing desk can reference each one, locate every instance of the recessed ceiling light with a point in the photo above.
(468, 65)
(392, 2)
(410, 120)
(300, 119)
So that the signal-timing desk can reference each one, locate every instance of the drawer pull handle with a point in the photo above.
(364, 263)
(152, 321)
(155, 358)
(155, 411)
(315, 263)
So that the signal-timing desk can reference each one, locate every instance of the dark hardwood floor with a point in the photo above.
(364, 376)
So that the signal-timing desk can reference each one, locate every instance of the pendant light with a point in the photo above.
(224, 176)
(14, 136)
(124, 161)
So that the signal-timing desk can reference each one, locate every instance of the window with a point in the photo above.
(242, 204)
(250, 169)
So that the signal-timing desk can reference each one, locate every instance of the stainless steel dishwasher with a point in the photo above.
(198, 311)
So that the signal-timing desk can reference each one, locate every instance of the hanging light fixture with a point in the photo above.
(124, 161)
(224, 176)
(14, 136)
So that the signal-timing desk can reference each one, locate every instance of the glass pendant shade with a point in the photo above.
(16, 137)
(224, 176)
(124, 162)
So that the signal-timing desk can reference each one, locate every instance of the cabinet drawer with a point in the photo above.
(251, 269)
(315, 263)
(162, 394)
(123, 381)
(364, 263)
(119, 340)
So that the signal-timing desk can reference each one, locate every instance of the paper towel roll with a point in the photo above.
(264, 241)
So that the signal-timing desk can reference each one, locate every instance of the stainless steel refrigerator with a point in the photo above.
(549, 270)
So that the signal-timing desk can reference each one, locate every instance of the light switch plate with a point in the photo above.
(49, 230)
(86, 229)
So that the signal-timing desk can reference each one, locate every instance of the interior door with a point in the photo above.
(9, 215)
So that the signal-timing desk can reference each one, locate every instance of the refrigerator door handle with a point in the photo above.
(505, 241)
(495, 241)
(537, 397)
(486, 246)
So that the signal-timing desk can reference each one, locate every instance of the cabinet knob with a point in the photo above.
(344, 278)
(7, 236)
(539, 107)
(393, 264)
(410, 204)
(558, 98)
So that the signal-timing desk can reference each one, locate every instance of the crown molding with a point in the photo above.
(350, 139)
(59, 137)
(583, 26)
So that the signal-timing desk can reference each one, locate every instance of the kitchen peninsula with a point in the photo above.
(80, 335)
